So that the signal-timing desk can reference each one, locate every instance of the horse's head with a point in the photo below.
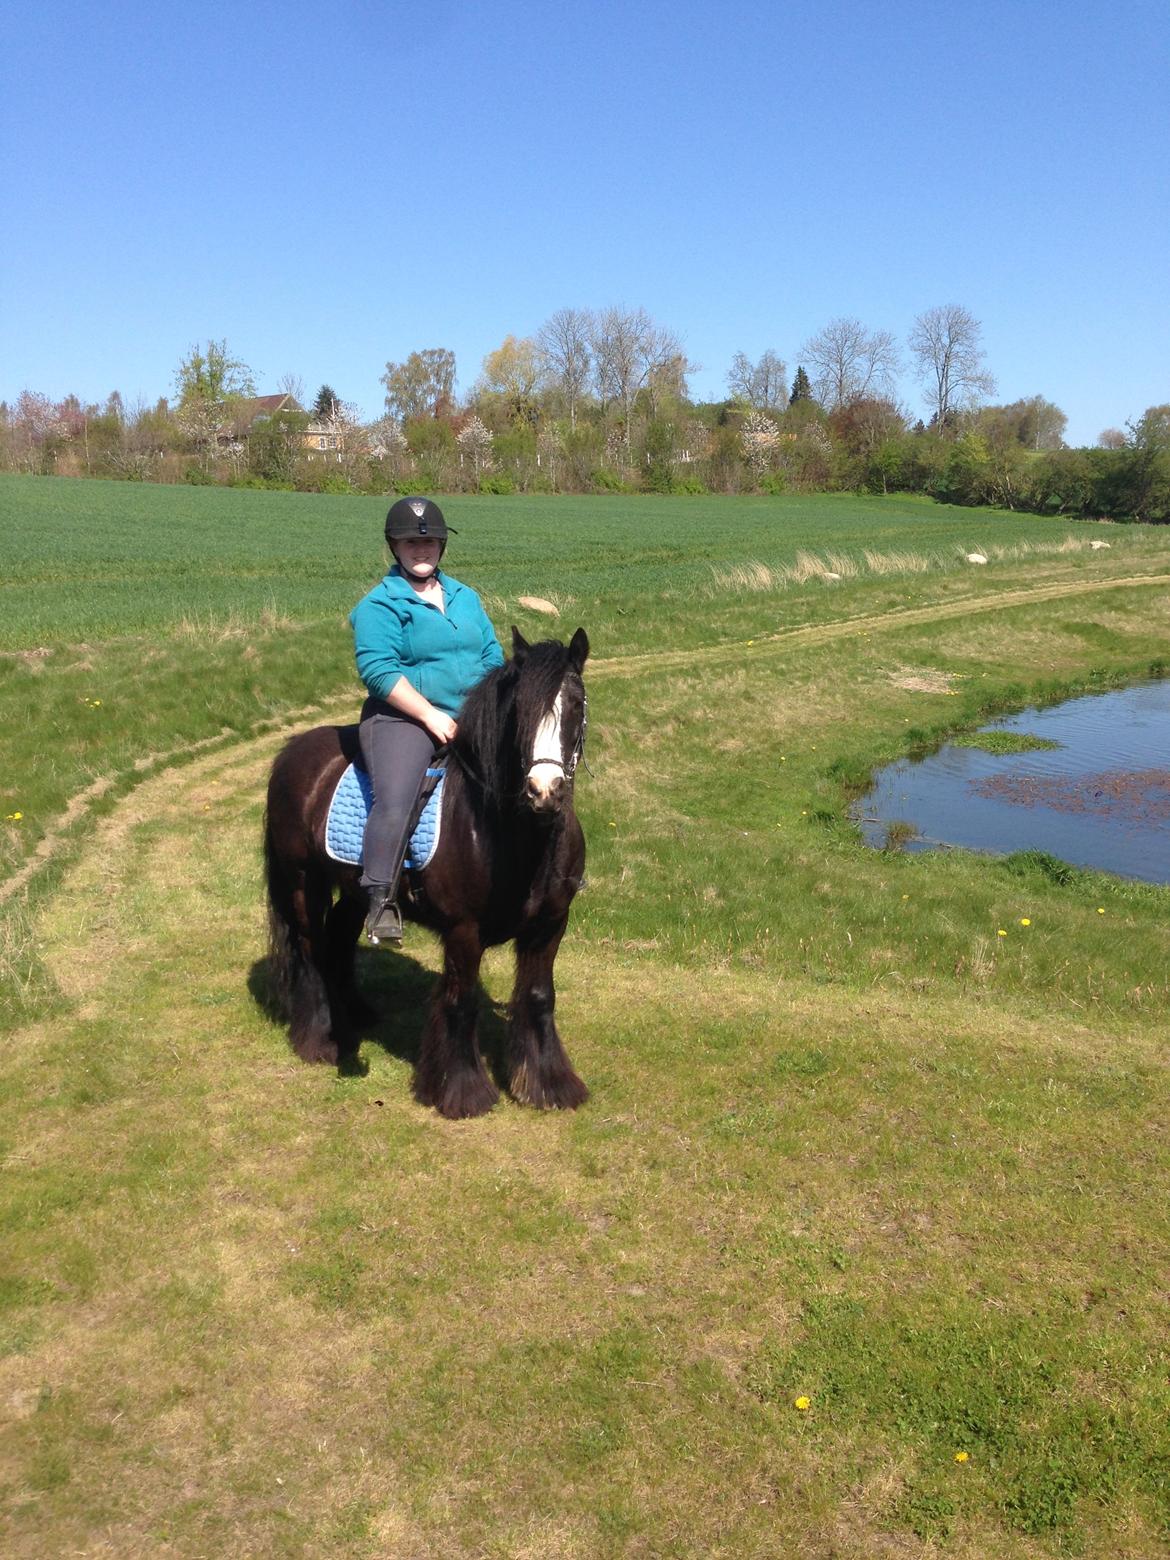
(550, 709)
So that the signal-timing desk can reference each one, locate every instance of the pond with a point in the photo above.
(1093, 788)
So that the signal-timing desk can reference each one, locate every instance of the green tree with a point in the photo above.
(801, 388)
(209, 384)
(326, 402)
(275, 447)
(422, 386)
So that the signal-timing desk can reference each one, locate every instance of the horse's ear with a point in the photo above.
(579, 648)
(519, 644)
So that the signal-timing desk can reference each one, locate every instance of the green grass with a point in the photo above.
(1005, 742)
(846, 1141)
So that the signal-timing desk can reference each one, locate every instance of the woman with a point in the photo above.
(422, 642)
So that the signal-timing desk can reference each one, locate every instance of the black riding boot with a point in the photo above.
(384, 921)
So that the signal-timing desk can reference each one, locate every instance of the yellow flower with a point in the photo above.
(751, 641)
(1001, 932)
(1024, 921)
(802, 1403)
(962, 1456)
(14, 817)
(1100, 909)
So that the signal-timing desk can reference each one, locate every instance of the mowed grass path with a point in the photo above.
(846, 1142)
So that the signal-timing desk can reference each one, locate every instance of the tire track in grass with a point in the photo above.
(896, 617)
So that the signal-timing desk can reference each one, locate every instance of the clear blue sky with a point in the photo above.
(330, 186)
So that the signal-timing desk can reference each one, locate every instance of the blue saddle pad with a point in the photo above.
(350, 807)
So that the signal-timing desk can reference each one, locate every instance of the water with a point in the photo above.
(1101, 799)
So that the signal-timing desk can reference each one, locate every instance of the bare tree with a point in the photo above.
(763, 385)
(629, 349)
(564, 344)
(949, 360)
(293, 386)
(850, 363)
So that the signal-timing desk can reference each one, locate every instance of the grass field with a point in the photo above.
(859, 1247)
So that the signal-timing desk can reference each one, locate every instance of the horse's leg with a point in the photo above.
(540, 1072)
(319, 1027)
(451, 1075)
(343, 927)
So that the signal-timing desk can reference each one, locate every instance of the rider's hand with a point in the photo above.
(442, 727)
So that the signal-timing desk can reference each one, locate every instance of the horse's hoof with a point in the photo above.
(317, 1050)
(467, 1094)
(558, 1091)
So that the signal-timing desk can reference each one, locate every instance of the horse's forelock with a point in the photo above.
(541, 679)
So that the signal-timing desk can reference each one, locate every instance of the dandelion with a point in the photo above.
(962, 1456)
(802, 1403)
(613, 825)
(13, 817)
(751, 641)
(1024, 921)
(1001, 932)
(1100, 909)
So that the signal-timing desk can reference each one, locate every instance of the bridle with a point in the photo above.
(578, 753)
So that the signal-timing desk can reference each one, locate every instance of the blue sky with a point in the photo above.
(329, 187)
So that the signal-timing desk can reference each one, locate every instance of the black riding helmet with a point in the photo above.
(416, 517)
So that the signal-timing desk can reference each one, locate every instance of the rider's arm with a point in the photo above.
(405, 698)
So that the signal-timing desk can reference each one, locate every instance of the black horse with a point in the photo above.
(509, 860)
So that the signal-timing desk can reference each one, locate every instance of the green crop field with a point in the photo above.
(858, 1248)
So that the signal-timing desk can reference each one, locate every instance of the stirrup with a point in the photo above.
(384, 922)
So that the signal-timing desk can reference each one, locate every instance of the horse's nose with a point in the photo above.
(545, 791)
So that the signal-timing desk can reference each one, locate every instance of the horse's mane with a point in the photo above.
(500, 715)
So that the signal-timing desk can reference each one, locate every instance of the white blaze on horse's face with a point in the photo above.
(546, 775)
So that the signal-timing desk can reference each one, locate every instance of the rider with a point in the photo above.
(422, 642)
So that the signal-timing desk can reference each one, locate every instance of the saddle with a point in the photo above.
(350, 806)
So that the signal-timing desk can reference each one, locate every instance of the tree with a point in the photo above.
(422, 386)
(850, 363)
(326, 401)
(949, 361)
(628, 347)
(564, 344)
(475, 444)
(1111, 439)
(760, 442)
(762, 385)
(801, 389)
(511, 374)
(212, 376)
(1032, 423)
(208, 384)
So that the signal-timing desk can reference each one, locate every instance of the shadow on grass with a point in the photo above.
(396, 992)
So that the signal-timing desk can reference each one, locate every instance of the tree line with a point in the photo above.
(598, 400)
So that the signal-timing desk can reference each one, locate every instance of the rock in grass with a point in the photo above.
(538, 604)
(976, 558)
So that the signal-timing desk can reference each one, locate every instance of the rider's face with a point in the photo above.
(418, 555)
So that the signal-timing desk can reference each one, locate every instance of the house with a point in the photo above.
(250, 410)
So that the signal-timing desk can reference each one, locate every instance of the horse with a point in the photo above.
(509, 861)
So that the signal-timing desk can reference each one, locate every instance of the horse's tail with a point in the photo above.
(284, 950)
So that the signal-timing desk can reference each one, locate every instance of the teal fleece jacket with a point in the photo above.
(441, 654)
